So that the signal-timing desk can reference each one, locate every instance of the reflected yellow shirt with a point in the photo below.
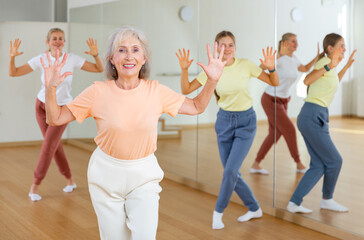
(323, 90)
(233, 86)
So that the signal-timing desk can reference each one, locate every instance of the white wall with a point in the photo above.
(359, 58)
(25, 10)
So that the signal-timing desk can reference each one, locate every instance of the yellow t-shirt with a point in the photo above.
(127, 120)
(233, 86)
(323, 90)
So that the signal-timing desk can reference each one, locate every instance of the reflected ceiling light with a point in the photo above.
(186, 13)
(297, 14)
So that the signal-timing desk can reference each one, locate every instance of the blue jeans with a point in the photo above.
(235, 134)
(313, 123)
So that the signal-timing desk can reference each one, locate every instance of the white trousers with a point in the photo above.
(125, 196)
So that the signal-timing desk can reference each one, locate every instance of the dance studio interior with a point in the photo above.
(187, 148)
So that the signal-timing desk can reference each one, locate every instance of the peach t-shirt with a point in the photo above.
(127, 120)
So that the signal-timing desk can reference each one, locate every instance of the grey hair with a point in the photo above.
(114, 41)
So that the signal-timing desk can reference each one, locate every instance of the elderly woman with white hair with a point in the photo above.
(123, 173)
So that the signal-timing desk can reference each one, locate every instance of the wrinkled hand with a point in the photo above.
(215, 66)
(92, 44)
(183, 59)
(351, 59)
(13, 50)
(52, 73)
(269, 58)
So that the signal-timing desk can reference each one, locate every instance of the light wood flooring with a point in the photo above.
(185, 213)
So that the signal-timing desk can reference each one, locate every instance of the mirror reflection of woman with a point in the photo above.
(288, 66)
(236, 120)
(123, 173)
(313, 123)
(52, 146)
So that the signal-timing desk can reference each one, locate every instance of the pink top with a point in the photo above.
(127, 120)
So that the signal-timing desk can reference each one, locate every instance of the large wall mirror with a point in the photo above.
(311, 21)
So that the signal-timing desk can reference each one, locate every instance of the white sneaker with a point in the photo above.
(217, 221)
(330, 204)
(294, 208)
(259, 171)
(301, 170)
(69, 188)
(34, 197)
(250, 215)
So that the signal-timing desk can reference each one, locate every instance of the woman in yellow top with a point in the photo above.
(236, 120)
(313, 123)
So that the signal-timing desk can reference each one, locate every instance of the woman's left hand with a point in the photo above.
(94, 51)
(269, 58)
(215, 67)
(52, 73)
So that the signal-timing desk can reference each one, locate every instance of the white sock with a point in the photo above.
(249, 215)
(294, 208)
(217, 221)
(330, 204)
(34, 197)
(69, 188)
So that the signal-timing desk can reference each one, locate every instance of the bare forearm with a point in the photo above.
(309, 65)
(274, 79)
(99, 65)
(12, 67)
(185, 83)
(342, 72)
(314, 76)
(53, 110)
(202, 100)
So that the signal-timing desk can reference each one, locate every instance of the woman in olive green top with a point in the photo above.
(313, 123)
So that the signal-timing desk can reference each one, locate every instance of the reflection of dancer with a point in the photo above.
(236, 120)
(313, 123)
(52, 146)
(287, 66)
(123, 173)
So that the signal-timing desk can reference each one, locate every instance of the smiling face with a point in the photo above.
(229, 44)
(291, 44)
(56, 42)
(128, 58)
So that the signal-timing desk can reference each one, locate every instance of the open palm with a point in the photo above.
(183, 58)
(269, 58)
(215, 66)
(52, 73)
(13, 50)
(92, 44)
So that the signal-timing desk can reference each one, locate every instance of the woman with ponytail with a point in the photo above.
(236, 120)
(288, 66)
(52, 146)
(313, 123)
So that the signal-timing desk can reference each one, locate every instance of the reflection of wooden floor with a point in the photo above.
(184, 213)
(348, 136)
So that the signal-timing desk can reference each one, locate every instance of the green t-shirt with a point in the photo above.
(323, 90)
(233, 86)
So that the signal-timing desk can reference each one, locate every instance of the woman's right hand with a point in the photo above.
(183, 58)
(13, 51)
(52, 73)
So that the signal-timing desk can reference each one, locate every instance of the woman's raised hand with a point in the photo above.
(52, 73)
(351, 59)
(183, 59)
(13, 50)
(269, 58)
(215, 66)
(92, 44)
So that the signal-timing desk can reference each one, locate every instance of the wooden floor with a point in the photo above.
(185, 213)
